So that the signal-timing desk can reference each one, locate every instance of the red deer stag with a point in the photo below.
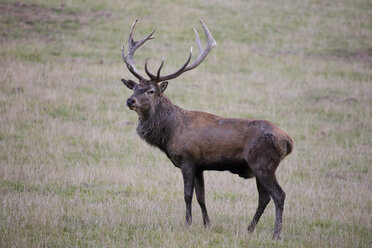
(197, 141)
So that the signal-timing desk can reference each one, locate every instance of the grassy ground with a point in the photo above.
(73, 172)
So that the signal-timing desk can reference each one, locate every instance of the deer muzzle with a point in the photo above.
(131, 103)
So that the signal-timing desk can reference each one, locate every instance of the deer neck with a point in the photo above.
(158, 125)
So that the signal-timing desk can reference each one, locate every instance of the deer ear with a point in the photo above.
(129, 83)
(163, 86)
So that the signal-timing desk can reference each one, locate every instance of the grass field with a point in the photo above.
(73, 171)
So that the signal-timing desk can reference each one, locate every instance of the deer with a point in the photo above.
(196, 141)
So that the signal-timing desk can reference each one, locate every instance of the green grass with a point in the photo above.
(73, 171)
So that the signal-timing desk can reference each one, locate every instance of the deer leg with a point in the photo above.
(188, 180)
(263, 200)
(279, 198)
(278, 195)
(200, 195)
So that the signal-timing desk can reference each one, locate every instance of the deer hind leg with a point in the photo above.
(272, 186)
(263, 200)
(200, 195)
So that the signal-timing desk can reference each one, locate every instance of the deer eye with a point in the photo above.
(151, 92)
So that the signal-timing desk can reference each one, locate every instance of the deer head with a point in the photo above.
(148, 92)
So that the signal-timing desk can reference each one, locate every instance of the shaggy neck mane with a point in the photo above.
(158, 127)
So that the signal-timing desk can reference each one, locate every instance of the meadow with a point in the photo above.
(74, 173)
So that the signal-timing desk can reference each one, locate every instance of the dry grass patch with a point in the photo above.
(73, 172)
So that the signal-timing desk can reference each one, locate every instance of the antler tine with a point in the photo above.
(130, 38)
(137, 44)
(198, 41)
(186, 67)
(132, 47)
(152, 76)
(175, 74)
(161, 66)
(203, 53)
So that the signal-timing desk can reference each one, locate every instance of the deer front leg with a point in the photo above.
(200, 196)
(188, 174)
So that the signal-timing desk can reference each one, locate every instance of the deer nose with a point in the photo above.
(130, 102)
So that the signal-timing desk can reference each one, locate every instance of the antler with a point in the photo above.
(132, 47)
(186, 67)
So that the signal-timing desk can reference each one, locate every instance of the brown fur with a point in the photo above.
(197, 141)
